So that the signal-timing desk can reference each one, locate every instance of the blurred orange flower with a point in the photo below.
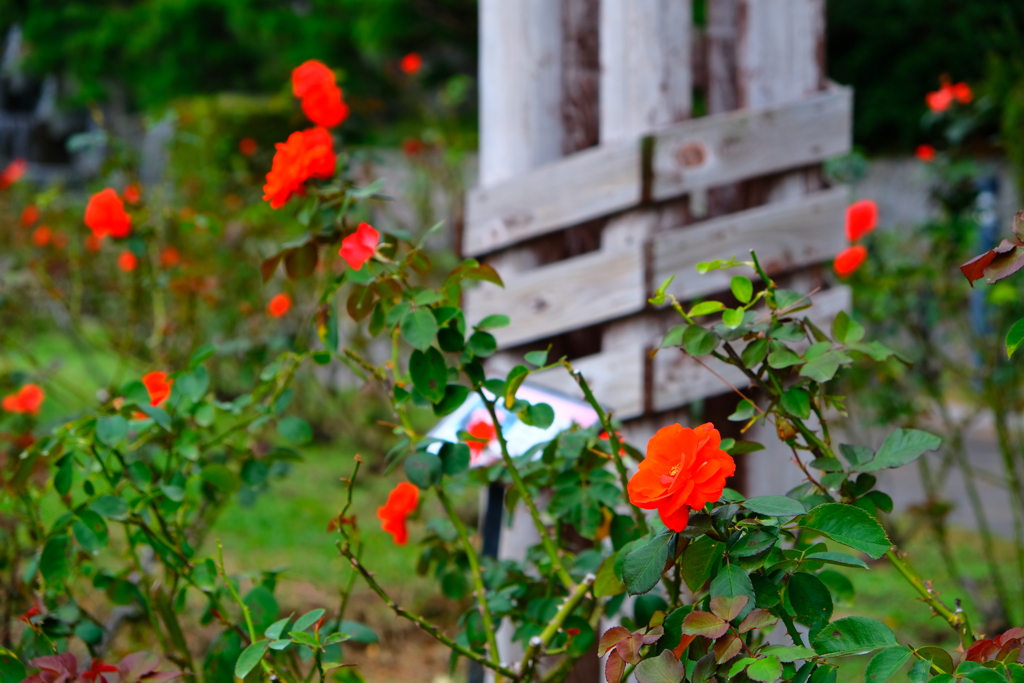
(247, 146)
(29, 215)
(105, 215)
(358, 247)
(849, 260)
(127, 261)
(27, 399)
(279, 305)
(12, 173)
(306, 154)
(411, 63)
(132, 194)
(481, 429)
(93, 243)
(925, 153)
(861, 219)
(401, 502)
(158, 386)
(412, 146)
(942, 99)
(684, 470)
(314, 84)
(169, 257)
(41, 236)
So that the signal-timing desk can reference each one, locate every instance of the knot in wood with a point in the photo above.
(691, 154)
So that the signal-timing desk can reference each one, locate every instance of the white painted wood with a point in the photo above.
(616, 378)
(694, 155)
(680, 379)
(588, 184)
(781, 50)
(743, 144)
(646, 79)
(786, 235)
(520, 87)
(563, 296)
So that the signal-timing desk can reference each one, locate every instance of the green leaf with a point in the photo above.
(767, 670)
(300, 262)
(846, 330)
(606, 584)
(91, 531)
(454, 396)
(358, 632)
(939, 658)
(698, 560)
(11, 668)
(886, 664)
(853, 635)
(644, 565)
(424, 469)
(665, 668)
(789, 653)
(493, 322)
(515, 378)
(659, 295)
(797, 402)
(856, 455)
(538, 358)
(308, 619)
(744, 411)
(429, 373)
(194, 384)
(65, 476)
(1014, 338)
(841, 559)
(899, 448)
(110, 431)
(53, 564)
(781, 356)
(699, 342)
(482, 344)
(850, 526)
(728, 608)
(706, 308)
(821, 368)
(262, 606)
(742, 288)
(775, 506)
(810, 599)
(674, 337)
(455, 458)
(754, 353)
(250, 657)
(304, 638)
(275, 630)
(221, 477)
(732, 581)
(295, 430)
(419, 328)
(733, 318)
(110, 507)
(539, 415)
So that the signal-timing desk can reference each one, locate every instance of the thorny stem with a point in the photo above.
(538, 643)
(478, 579)
(613, 437)
(245, 608)
(549, 546)
(957, 619)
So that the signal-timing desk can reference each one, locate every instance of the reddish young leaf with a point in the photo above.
(704, 624)
(727, 648)
(758, 618)
(611, 638)
(684, 642)
(728, 608)
(614, 667)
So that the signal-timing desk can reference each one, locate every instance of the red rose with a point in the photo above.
(105, 215)
(306, 154)
(127, 261)
(314, 84)
(247, 146)
(401, 502)
(158, 386)
(27, 399)
(861, 219)
(925, 153)
(358, 247)
(849, 260)
(411, 63)
(29, 215)
(12, 173)
(279, 305)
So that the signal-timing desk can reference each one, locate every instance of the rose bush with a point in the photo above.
(730, 588)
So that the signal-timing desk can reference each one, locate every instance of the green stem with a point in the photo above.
(956, 619)
(478, 578)
(538, 643)
(549, 546)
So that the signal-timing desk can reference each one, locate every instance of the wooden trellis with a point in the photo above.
(597, 183)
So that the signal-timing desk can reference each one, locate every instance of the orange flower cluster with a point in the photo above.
(481, 429)
(42, 235)
(360, 246)
(169, 257)
(279, 305)
(401, 502)
(132, 194)
(158, 386)
(942, 99)
(127, 261)
(684, 470)
(27, 400)
(105, 215)
(314, 84)
(306, 154)
(411, 63)
(12, 173)
(29, 215)
(861, 219)
(247, 146)
(925, 153)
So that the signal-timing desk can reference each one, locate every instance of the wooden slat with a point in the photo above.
(646, 80)
(744, 144)
(679, 379)
(781, 50)
(588, 184)
(697, 154)
(616, 377)
(786, 235)
(564, 296)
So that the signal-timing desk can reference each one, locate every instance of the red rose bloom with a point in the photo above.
(861, 219)
(684, 470)
(12, 173)
(481, 429)
(127, 261)
(401, 503)
(358, 247)
(158, 386)
(306, 154)
(925, 153)
(942, 99)
(41, 236)
(27, 399)
(411, 63)
(169, 257)
(29, 215)
(279, 305)
(132, 194)
(105, 215)
(849, 260)
(314, 84)
(247, 146)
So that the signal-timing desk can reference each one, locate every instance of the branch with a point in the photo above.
(537, 643)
